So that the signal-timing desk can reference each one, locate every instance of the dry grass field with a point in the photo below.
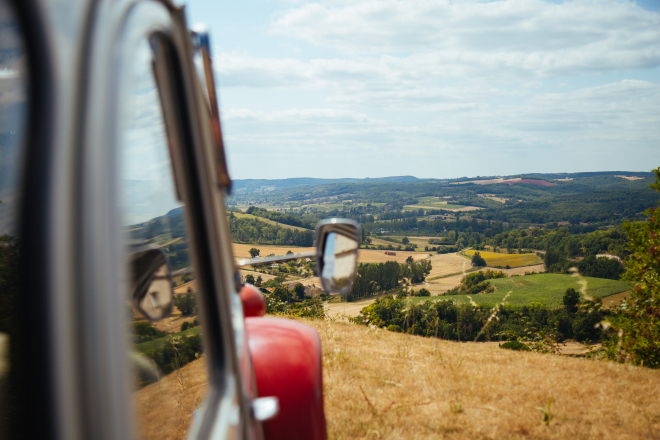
(387, 385)
(242, 250)
(372, 256)
(380, 384)
(513, 260)
(164, 409)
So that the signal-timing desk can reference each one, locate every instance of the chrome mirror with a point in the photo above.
(338, 243)
(151, 284)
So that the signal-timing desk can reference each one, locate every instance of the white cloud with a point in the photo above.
(531, 36)
(447, 88)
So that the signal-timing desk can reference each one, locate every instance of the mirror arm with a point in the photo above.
(275, 258)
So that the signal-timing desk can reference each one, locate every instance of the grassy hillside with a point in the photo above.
(380, 384)
(547, 289)
(270, 222)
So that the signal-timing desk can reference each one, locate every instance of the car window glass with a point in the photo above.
(167, 355)
(13, 113)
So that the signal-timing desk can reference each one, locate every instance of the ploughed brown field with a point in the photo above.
(387, 385)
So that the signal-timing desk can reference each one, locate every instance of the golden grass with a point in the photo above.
(380, 384)
(513, 260)
(164, 409)
(242, 250)
(372, 256)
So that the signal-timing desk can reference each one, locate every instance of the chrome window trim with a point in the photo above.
(117, 26)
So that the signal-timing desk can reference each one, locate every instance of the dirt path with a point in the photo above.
(341, 310)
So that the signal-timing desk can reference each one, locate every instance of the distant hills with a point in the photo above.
(251, 185)
(242, 186)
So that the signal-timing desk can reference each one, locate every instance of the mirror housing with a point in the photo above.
(151, 283)
(337, 251)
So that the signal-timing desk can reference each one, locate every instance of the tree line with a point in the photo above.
(251, 230)
(374, 278)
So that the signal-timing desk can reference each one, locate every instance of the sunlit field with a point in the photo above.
(512, 260)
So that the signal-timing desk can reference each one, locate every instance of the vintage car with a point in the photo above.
(112, 186)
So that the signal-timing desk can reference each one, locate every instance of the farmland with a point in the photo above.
(242, 250)
(512, 260)
(547, 289)
(418, 242)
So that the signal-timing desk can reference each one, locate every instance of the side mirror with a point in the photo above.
(338, 243)
(151, 284)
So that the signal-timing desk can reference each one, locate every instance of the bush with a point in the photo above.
(515, 345)
(249, 278)
(185, 326)
(571, 299)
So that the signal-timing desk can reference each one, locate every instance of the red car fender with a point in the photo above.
(286, 356)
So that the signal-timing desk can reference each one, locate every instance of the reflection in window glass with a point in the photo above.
(170, 371)
(13, 112)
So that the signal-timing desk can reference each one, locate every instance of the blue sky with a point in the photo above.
(435, 89)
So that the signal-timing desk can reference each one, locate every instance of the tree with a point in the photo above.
(409, 259)
(254, 252)
(477, 260)
(405, 240)
(299, 289)
(571, 299)
(185, 303)
(249, 278)
(638, 337)
(258, 281)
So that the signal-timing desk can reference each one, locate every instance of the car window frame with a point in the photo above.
(190, 145)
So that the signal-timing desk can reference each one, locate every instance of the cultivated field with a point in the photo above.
(418, 242)
(544, 288)
(372, 256)
(513, 260)
(242, 250)
(380, 384)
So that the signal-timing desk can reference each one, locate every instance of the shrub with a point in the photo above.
(515, 345)
(185, 326)
(571, 299)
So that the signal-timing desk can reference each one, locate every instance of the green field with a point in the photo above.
(544, 288)
(150, 345)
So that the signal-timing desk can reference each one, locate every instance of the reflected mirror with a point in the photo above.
(151, 290)
(338, 246)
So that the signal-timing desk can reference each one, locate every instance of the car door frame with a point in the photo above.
(71, 224)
